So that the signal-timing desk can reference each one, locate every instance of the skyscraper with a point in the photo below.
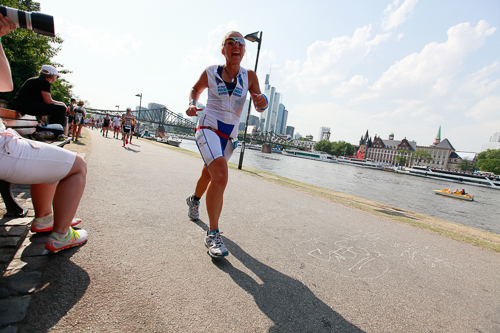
(324, 134)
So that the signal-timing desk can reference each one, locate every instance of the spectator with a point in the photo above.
(34, 97)
(80, 114)
(57, 176)
(70, 112)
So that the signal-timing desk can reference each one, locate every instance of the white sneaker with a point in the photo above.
(73, 238)
(216, 247)
(193, 208)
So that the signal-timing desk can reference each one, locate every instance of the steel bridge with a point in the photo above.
(161, 116)
(167, 117)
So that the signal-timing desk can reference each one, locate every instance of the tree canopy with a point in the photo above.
(337, 148)
(489, 161)
(27, 51)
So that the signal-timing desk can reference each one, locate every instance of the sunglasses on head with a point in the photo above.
(233, 40)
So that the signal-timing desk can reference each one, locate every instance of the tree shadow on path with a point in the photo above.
(289, 303)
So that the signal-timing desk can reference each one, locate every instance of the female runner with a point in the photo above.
(217, 130)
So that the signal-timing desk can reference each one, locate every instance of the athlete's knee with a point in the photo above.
(79, 167)
(218, 172)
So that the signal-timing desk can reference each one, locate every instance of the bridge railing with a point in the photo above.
(161, 116)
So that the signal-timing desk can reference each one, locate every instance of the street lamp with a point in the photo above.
(139, 113)
(253, 38)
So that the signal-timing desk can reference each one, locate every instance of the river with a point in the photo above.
(398, 190)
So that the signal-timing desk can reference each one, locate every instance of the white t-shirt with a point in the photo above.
(116, 121)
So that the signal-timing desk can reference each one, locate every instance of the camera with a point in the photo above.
(42, 24)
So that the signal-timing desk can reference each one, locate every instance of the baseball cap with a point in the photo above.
(129, 109)
(48, 70)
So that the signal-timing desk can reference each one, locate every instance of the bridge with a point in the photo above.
(166, 117)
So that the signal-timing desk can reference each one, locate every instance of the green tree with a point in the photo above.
(27, 51)
(402, 158)
(421, 155)
(489, 161)
(324, 146)
(466, 165)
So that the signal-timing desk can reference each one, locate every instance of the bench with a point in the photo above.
(25, 125)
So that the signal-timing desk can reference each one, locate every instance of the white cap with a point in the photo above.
(48, 70)
(129, 109)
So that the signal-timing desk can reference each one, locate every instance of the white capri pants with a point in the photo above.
(24, 161)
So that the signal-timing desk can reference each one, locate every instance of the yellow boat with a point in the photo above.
(455, 194)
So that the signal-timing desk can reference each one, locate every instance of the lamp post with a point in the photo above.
(253, 38)
(117, 106)
(139, 113)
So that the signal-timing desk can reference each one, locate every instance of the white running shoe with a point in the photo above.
(73, 238)
(193, 208)
(46, 223)
(215, 245)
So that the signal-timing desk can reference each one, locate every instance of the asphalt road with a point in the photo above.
(297, 263)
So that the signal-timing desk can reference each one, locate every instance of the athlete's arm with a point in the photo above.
(253, 87)
(195, 93)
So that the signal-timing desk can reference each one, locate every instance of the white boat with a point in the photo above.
(170, 140)
(456, 177)
(311, 155)
(173, 141)
(360, 163)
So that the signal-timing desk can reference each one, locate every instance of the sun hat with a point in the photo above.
(48, 70)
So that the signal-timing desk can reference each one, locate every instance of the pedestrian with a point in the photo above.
(116, 125)
(70, 112)
(127, 120)
(217, 130)
(57, 176)
(79, 120)
(34, 97)
(106, 122)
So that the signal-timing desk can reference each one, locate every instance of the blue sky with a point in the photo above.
(405, 67)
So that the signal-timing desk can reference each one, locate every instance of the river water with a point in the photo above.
(398, 190)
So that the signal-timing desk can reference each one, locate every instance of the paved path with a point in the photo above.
(297, 263)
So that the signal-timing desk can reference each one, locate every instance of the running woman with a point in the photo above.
(217, 130)
(106, 122)
(127, 121)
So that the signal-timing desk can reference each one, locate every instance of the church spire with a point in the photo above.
(437, 140)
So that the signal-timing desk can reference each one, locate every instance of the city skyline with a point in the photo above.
(403, 66)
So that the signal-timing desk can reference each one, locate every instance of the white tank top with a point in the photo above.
(222, 106)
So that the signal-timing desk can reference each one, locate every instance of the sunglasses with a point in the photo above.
(233, 40)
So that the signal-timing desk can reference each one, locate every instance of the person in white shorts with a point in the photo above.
(57, 176)
(217, 130)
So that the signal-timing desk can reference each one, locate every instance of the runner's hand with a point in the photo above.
(259, 101)
(192, 110)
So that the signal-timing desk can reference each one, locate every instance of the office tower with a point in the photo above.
(324, 134)
(290, 130)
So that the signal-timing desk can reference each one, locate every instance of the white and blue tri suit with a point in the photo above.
(223, 111)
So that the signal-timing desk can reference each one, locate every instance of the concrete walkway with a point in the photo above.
(297, 263)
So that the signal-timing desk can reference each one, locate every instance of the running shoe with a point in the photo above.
(73, 238)
(215, 245)
(46, 223)
(123, 146)
(193, 208)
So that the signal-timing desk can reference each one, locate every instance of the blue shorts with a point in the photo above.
(210, 144)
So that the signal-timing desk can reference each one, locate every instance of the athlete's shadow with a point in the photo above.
(132, 150)
(289, 303)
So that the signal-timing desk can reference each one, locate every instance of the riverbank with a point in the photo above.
(442, 227)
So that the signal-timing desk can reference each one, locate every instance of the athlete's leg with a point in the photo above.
(203, 181)
(218, 180)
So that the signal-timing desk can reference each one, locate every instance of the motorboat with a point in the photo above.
(456, 194)
(311, 155)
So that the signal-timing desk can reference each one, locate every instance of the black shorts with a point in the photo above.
(126, 129)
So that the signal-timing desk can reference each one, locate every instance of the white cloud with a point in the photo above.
(479, 84)
(400, 36)
(356, 83)
(485, 108)
(396, 16)
(104, 43)
(329, 62)
(431, 70)
(211, 53)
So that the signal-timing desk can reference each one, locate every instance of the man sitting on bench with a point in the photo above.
(34, 97)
